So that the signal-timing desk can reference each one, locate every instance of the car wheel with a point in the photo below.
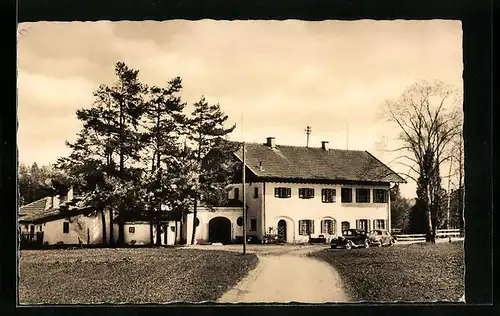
(367, 244)
(348, 246)
(392, 242)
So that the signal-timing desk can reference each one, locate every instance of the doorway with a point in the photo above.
(219, 230)
(282, 231)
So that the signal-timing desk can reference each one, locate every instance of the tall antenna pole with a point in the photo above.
(347, 135)
(244, 202)
(308, 132)
(243, 189)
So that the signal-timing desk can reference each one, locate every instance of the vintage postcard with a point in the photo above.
(240, 162)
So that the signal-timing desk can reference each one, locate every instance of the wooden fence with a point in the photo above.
(440, 233)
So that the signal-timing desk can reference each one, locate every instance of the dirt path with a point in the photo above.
(288, 277)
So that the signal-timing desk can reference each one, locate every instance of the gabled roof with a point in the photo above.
(35, 209)
(42, 210)
(310, 163)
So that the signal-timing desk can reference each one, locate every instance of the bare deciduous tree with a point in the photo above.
(428, 116)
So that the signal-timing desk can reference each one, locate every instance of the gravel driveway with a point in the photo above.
(285, 274)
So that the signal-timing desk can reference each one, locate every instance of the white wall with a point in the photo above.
(294, 209)
(78, 225)
(269, 210)
(141, 235)
(255, 204)
(205, 215)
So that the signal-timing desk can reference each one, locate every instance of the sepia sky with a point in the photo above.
(279, 75)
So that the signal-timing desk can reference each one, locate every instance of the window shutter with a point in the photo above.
(375, 224)
(312, 227)
(368, 223)
(357, 223)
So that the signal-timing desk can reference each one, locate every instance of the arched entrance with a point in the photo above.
(219, 230)
(282, 230)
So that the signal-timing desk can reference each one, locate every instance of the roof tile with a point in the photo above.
(311, 163)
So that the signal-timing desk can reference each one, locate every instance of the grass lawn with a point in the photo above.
(412, 272)
(128, 275)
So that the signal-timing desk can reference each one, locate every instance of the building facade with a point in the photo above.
(298, 193)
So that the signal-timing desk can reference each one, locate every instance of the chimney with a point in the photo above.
(70, 194)
(324, 145)
(55, 201)
(270, 142)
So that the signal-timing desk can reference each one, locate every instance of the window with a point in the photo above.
(328, 226)
(328, 195)
(239, 221)
(282, 193)
(306, 227)
(345, 225)
(379, 196)
(131, 229)
(346, 195)
(379, 224)
(255, 193)
(306, 193)
(253, 225)
(40, 228)
(65, 227)
(236, 194)
(363, 224)
(362, 195)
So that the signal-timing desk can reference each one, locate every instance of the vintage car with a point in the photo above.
(380, 237)
(351, 238)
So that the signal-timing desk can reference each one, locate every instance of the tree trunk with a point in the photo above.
(182, 241)
(151, 235)
(111, 233)
(158, 233)
(175, 235)
(103, 222)
(121, 228)
(428, 212)
(461, 204)
(195, 206)
(121, 233)
(165, 240)
(434, 223)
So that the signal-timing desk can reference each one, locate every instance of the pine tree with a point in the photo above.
(211, 154)
(163, 124)
(105, 155)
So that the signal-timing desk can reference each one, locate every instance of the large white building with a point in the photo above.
(302, 192)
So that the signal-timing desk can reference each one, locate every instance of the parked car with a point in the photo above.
(351, 238)
(317, 240)
(380, 237)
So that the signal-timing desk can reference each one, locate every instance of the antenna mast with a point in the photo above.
(243, 187)
(347, 135)
(308, 132)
